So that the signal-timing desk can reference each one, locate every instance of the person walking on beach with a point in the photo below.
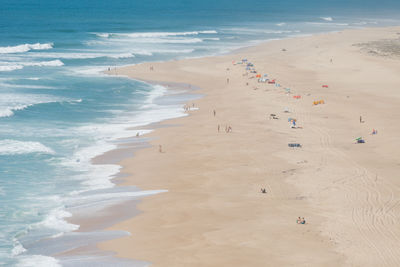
(218, 127)
(160, 148)
(215, 113)
(227, 80)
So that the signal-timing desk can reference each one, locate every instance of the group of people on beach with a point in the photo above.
(188, 107)
(301, 220)
(228, 128)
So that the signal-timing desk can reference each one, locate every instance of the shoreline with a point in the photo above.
(319, 242)
(106, 215)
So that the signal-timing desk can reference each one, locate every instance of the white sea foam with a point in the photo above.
(24, 48)
(175, 40)
(15, 147)
(151, 51)
(11, 67)
(9, 85)
(18, 248)
(157, 34)
(209, 32)
(55, 220)
(37, 260)
(276, 32)
(103, 35)
(13, 102)
(281, 24)
(52, 63)
(82, 55)
(327, 18)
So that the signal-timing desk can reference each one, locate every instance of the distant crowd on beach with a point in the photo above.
(251, 71)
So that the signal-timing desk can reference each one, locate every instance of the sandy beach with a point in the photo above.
(214, 213)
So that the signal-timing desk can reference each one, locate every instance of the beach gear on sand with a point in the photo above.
(360, 140)
(294, 145)
(318, 102)
(325, 86)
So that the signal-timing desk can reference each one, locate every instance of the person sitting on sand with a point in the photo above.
(263, 190)
(300, 220)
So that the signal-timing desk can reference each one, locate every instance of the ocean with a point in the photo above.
(58, 111)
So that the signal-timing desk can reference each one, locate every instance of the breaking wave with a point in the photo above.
(25, 48)
(154, 34)
(14, 147)
(327, 18)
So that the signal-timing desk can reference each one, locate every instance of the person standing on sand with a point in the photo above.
(218, 127)
(215, 113)
(160, 148)
(227, 80)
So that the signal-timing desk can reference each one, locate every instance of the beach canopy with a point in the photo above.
(318, 102)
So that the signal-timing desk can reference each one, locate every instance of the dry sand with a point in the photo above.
(214, 214)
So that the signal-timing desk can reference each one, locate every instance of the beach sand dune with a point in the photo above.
(214, 213)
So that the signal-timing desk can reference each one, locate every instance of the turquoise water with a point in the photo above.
(57, 111)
